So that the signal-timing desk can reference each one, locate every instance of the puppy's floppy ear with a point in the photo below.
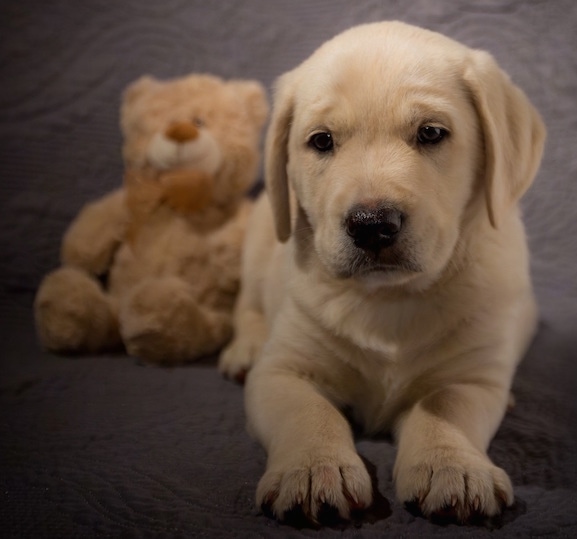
(276, 156)
(513, 134)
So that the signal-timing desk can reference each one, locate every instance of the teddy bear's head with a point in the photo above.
(198, 126)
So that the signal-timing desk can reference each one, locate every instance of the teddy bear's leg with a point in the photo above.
(161, 321)
(73, 313)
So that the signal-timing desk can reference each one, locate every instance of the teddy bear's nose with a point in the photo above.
(182, 132)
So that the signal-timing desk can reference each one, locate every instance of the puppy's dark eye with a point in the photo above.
(429, 134)
(322, 142)
(198, 122)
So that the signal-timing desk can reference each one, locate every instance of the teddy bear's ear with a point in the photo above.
(139, 87)
(254, 96)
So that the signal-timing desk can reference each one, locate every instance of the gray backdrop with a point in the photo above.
(105, 446)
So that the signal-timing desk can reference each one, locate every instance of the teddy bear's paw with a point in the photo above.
(164, 344)
(94, 236)
(162, 322)
(154, 346)
(73, 314)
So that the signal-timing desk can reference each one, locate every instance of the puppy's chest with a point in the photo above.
(385, 348)
(378, 392)
(390, 352)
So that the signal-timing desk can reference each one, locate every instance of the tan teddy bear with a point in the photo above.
(168, 242)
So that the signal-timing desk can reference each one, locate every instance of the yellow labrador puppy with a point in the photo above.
(397, 285)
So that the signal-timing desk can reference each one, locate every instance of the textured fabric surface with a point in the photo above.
(104, 446)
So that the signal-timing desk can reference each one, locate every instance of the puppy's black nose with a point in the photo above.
(374, 228)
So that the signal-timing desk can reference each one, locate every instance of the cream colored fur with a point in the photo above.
(169, 240)
(425, 348)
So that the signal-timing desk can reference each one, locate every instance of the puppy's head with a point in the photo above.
(389, 135)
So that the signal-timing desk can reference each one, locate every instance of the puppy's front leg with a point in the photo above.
(312, 459)
(442, 462)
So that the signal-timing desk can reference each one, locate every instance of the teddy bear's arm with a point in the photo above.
(97, 231)
(187, 191)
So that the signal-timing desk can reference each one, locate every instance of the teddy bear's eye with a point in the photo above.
(198, 122)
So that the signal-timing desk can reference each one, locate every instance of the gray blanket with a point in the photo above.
(105, 446)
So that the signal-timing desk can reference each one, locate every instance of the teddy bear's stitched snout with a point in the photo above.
(183, 144)
(182, 132)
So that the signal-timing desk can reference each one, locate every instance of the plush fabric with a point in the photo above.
(105, 446)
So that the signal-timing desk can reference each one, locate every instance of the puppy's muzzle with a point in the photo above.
(374, 228)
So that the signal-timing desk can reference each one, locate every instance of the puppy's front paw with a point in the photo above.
(453, 482)
(340, 482)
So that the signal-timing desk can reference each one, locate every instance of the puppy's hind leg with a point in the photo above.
(250, 333)
(249, 322)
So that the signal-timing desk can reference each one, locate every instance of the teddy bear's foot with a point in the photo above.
(161, 322)
(73, 314)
